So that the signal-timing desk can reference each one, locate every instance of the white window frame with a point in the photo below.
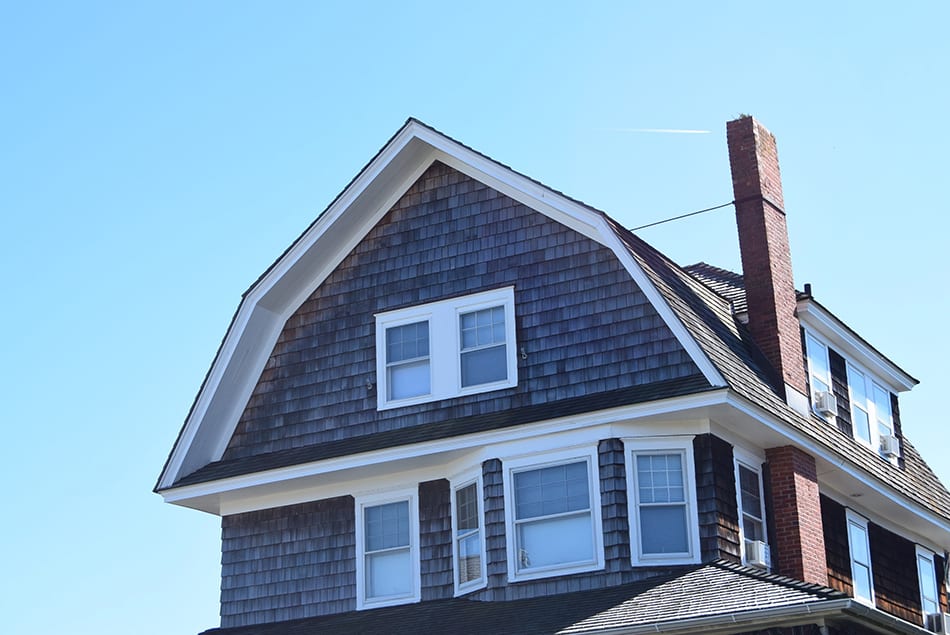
(927, 556)
(373, 500)
(856, 374)
(445, 375)
(860, 522)
(753, 464)
(539, 461)
(682, 445)
(458, 483)
(815, 350)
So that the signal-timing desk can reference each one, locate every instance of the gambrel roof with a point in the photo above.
(730, 368)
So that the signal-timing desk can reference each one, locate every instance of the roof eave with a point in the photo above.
(814, 315)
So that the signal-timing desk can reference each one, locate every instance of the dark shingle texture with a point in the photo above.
(705, 590)
(583, 324)
(288, 562)
(726, 283)
(453, 427)
(708, 317)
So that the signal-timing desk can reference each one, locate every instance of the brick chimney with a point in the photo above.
(795, 522)
(766, 259)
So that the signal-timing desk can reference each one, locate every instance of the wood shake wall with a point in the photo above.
(300, 560)
(582, 323)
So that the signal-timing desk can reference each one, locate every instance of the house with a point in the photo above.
(462, 401)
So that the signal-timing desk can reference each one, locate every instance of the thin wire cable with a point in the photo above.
(702, 211)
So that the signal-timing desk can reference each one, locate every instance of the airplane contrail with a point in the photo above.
(659, 130)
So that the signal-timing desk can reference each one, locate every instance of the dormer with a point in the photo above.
(851, 383)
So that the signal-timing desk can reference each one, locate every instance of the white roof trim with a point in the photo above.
(819, 320)
(273, 299)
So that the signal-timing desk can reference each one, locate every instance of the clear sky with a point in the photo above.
(156, 157)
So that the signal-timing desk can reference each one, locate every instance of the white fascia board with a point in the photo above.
(682, 334)
(515, 440)
(225, 392)
(820, 321)
(852, 471)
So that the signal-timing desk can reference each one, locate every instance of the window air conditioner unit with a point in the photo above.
(890, 446)
(757, 554)
(825, 403)
(939, 623)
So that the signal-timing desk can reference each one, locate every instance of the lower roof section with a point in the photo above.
(447, 429)
(718, 597)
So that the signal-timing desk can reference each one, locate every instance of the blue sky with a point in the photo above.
(155, 158)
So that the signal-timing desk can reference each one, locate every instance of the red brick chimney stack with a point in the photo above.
(766, 259)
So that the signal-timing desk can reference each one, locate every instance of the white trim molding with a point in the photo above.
(388, 553)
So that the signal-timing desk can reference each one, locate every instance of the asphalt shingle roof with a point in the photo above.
(708, 316)
(715, 589)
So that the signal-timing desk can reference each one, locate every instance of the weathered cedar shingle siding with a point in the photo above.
(435, 539)
(583, 324)
(839, 386)
(288, 562)
(898, 432)
(300, 560)
(894, 567)
(614, 512)
(496, 556)
(837, 555)
(716, 497)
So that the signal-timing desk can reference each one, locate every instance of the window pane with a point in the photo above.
(859, 392)
(469, 558)
(660, 478)
(485, 365)
(749, 488)
(551, 490)
(482, 328)
(752, 528)
(862, 581)
(467, 508)
(555, 541)
(408, 380)
(388, 574)
(387, 526)
(407, 342)
(882, 406)
(928, 584)
(817, 358)
(663, 529)
(862, 426)
(858, 540)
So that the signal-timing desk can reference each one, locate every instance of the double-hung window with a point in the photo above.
(553, 516)
(664, 522)
(468, 536)
(751, 511)
(870, 408)
(446, 349)
(819, 368)
(927, 578)
(387, 550)
(859, 545)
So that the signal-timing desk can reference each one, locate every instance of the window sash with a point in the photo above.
(819, 366)
(553, 525)
(927, 578)
(387, 549)
(859, 548)
(663, 525)
(467, 541)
